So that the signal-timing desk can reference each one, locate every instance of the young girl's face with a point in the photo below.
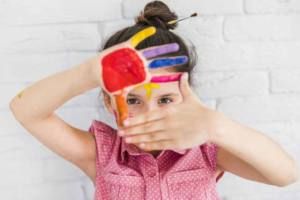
(152, 96)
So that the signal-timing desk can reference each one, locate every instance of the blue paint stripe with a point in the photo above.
(167, 62)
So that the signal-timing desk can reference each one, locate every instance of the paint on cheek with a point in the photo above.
(122, 68)
(149, 87)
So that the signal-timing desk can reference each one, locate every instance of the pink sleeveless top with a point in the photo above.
(126, 172)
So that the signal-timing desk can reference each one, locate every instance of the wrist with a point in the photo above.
(94, 68)
(220, 122)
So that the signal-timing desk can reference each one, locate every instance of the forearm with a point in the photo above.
(256, 149)
(41, 99)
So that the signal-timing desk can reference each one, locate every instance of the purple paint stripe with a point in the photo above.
(165, 78)
(162, 49)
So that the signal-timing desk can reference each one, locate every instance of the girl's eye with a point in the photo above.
(133, 101)
(165, 101)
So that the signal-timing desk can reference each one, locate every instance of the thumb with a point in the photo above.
(185, 89)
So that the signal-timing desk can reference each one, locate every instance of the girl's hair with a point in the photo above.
(158, 14)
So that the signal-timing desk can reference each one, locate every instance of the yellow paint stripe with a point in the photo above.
(149, 87)
(141, 35)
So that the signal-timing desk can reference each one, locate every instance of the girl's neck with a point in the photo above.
(155, 153)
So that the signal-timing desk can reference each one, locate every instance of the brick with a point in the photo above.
(108, 28)
(262, 108)
(10, 193)
(31, 12)
(88, 187)
(246, 55)
(285, 81)
(50, 38)
(228, 84)
(186, 8)
(80, 117)
(20, 172)
(271, 6)
(9, 125)
(58, 169)
(54, 190)
(11, 142)
(261, 28)
(24, 145)
(15, 67)
(247, 187)
(284, 133)
(201, 30)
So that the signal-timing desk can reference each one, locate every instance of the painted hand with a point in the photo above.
(181, 126)
(123, 67)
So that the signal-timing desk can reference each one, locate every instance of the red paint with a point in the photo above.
(122, 68)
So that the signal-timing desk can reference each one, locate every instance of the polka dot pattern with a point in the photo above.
(126, 172)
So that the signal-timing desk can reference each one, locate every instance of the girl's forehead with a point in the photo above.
(159, 88)
(160, 84)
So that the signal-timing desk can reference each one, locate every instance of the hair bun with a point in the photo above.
(158, 14)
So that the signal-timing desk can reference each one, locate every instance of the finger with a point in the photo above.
(142, 35)
(122, 108)
(157, 125)
(149, 137)
(159, 50)
(146, 117)
(185, 89)
(167, 62)
(158, 145)
(166, 78)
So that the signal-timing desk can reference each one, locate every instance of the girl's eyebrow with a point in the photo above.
(134, 95)
(169, 94)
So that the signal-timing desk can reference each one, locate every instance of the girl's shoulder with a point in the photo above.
(104, 134)
(106, 139)
(97, 126)
(209, 151)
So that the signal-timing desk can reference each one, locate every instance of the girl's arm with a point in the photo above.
(34, 108)
(252, 155)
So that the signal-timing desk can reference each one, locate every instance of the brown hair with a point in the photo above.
(158, 14)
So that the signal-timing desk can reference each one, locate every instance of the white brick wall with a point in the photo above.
(248, 68)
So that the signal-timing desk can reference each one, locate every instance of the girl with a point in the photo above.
(172, 146)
